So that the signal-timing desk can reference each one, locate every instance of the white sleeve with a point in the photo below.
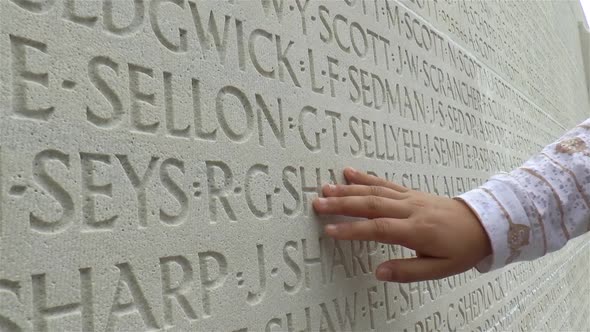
(538, 207)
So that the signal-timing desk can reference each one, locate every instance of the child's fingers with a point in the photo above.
(361, 190)
(385, 230)
(415, 269)
(355, 177)
(362, 206)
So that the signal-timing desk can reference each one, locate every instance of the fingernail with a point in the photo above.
(331, 187)
(352, 170)
(384, 273)
(331, 230)
(321, 202)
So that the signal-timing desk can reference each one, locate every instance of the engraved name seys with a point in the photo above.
(92, 191)
(83, 191)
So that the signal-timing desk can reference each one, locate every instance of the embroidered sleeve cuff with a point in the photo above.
(495, 224)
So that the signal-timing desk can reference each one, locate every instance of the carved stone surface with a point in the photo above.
(158, 158)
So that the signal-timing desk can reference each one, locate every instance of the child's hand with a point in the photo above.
(446, 235)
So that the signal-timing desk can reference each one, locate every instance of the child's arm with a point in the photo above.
(538, 207)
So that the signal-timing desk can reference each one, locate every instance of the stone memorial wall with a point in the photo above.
(158, 159)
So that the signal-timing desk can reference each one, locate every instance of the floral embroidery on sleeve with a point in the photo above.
(571, 146)
(518, 235)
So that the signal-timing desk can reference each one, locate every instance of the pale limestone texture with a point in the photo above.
(158, 158)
